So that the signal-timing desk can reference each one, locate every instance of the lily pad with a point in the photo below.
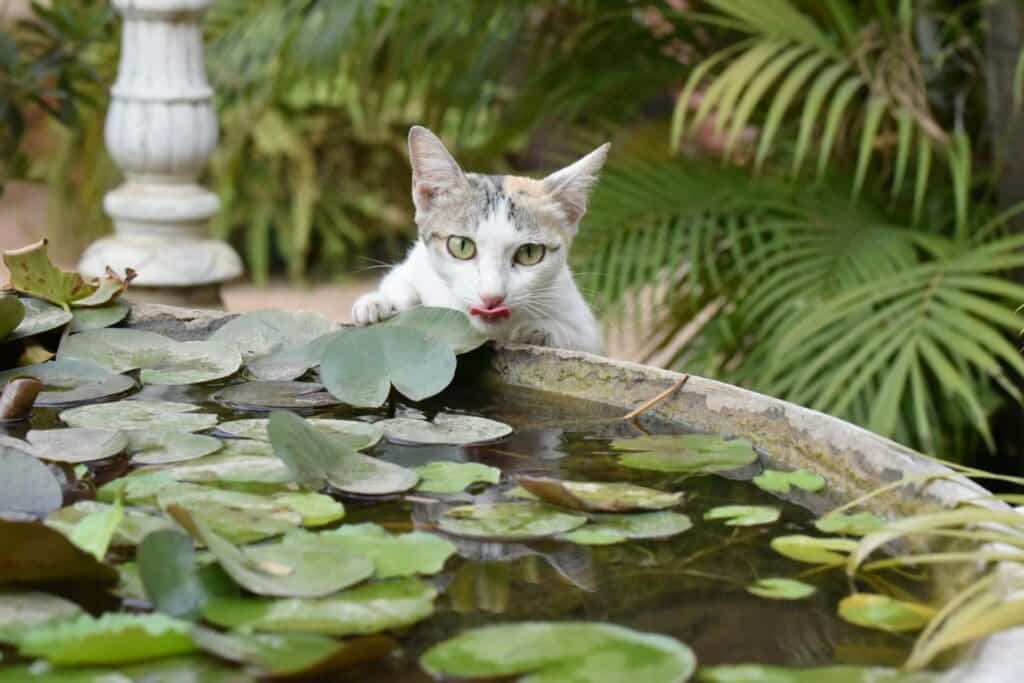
(884, 613)
(780, 482)
(87, 640)
(140, 415)
(71, 382)
(230, 469)
(692, 453)
(259, 334)
(813, 550)
(445, 324)
(12, 312)
(781, 589)
(617, 528)
(27, 485)
(135, 523)
(558, 652)
(39, 317)
(744, 515)
(162, 360)
(392, 555)
(76, 445)
(99, 317)
(445, 428)
(36, 553)
(164, 447)
(94, 532)
(858, 524)
(757, 673)
(508, 521)
(25, 609)
(362, 610)
(361, 365)
(264, 396)
(171, 577)
(358, 435)
(599, 497)
(452, 477)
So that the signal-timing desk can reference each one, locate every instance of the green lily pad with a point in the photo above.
(230, 469)
(445, 324)
(884, 613)
(508, 521)
(781, 589)
(362, 610)
(744, 515)
(161, 359)
(27, 485)
(360, 365)
(35, 553)
(452, 477)
(607, 529)
(814, 550)
(94, 532)
(24, 609)
(392, 555)
(99, 317)
(165, 447)
(558, 652)
(262, 396)
(70, 382)
(12, 312)
(315, 458)
(858, 524)
(780, 482)
(140, 415)
(445, 428)
(358, 435)
(757, 673)
(39, 317)
(599, 497)
(135, 523)
(172, 579)
(692, 453)
(76, 445)
(263, 338)
(87, 640)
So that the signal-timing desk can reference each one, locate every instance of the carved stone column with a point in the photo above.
(161, 130)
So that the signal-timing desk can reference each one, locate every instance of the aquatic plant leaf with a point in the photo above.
(884, 613)
(508, 521)
(858, 524)
(32, 273)
(592, 496)
(814, 550)
(362, 610)
(172, 578)
(392, 555)
(758, 673)
(315, 458)
(265, 396)
(233, 470)
(360, 365)
(87, 639)
(180, 669)
(358, 435)
(33, 552)
(445, 324)
(12, 312)
(23, 609)
(781, 589)
(94, 532)
(445, 428)
(135, 523)
(744, 515)
(557, 652)
(145, 415)
(259, 334)
(693, 453)
(162, 360)
(39, 317)
(70, 382)
(166, 447)
(76, 444)
(606, 529)
(108, 288)
(314, 508)
(776, 481)
(452, 477)
(99, 317)
(27, 485)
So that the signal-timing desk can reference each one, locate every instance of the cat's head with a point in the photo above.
(498, 242)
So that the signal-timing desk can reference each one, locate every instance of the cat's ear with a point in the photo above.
(571, 186)
(434, 171)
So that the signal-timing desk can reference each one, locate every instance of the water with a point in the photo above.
(690, 586)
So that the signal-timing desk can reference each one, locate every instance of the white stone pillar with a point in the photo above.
(161, 130)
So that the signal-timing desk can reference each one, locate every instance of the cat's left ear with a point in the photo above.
(571, 186)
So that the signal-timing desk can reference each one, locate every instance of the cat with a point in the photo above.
(494, 247)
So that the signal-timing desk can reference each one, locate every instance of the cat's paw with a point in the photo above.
(372, 308)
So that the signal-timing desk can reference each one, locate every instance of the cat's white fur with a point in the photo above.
(499, 213)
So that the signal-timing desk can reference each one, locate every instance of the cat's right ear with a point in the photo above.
(434, 171)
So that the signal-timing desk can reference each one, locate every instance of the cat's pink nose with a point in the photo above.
(492, 302)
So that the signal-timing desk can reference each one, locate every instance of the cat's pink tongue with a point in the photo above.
(491, 315)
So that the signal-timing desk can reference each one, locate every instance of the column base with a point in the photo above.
(162, 261)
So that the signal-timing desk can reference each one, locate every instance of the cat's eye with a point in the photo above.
(529, 254)
(461, 248)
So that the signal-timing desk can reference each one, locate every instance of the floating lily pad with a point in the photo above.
(70, 382)
(140, 415)
(884, 613)
(392, 555)
(757, 673)
(858, 524)
(780, 482)
(27, 485)
(12, 312)
(452, 477)
(163, 447)
(744, 515)
(261, 396)
(446, 324)
(99, 317)
(162, 360)
(814, 550)
(360, 365)
(264, 338)
(39, 317)
(445, 428)
(607, 529)
(358, 435)
(558, 652)
(230, 469)
(135, 523)
(76, 445)
(599, 497)
(508, 521)
(24, 609)
(693, 453)
(362, 610)
(87, 640)
(94, 532)
(781, 589)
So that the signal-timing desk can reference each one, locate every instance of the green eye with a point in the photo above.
(461, 247)
(529, 254)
